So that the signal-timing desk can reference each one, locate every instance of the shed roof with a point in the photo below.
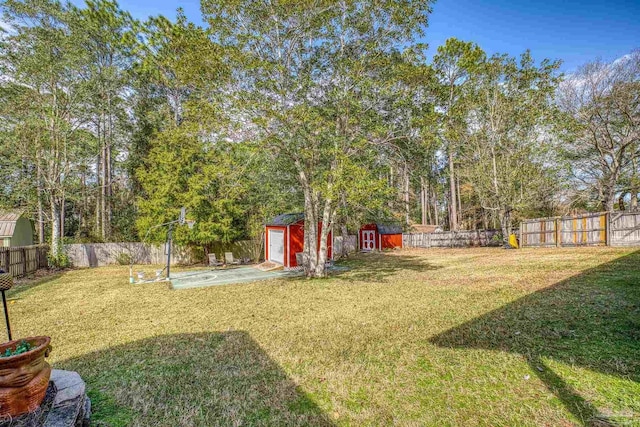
(287, 219)
(8, 220)
(389, 228)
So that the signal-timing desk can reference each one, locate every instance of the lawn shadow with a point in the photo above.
(377, 267)
(591, 320)
(218, 378)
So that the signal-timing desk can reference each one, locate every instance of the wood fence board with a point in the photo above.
(451, 239)
(592, 229)
(23, 260)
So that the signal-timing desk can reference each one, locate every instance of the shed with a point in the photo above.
(380, 236)
(15, 229)
(284, 238)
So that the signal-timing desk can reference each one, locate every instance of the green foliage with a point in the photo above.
(59, 260)
(112, 125)
(509, 151)
(123, 258)
(182, 171)
(325, 91)
(22, 347)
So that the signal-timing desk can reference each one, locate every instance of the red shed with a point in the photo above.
(380, 236)
(284, 238)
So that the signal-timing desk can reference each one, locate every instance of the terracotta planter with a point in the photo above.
(24, 378)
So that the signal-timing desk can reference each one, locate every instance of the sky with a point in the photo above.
(573, 31)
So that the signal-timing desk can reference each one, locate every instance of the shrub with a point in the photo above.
(123, 258)
(60, 261)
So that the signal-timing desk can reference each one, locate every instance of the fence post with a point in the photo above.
(608, 228)
(24, 262)
(522, 239)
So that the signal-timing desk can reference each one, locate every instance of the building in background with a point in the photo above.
(285, 240)
(15, 229)
(380, 236)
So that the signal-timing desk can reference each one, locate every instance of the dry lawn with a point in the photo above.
(469, 337)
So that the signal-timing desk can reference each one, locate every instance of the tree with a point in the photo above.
(311, 78)
(40, 62)
(192, 159)
(107, 36)
(509, 134)
(453, 64)
(602, 133)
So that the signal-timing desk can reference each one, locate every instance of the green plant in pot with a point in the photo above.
(24, 376)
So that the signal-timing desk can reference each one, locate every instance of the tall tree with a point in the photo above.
(602, 135)
(312, 77)
(106, 34)
(41, 61)
(192, 158)
(454, 63)
(509, 134)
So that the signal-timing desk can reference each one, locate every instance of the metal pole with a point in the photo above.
(6, 314)
(169, 251)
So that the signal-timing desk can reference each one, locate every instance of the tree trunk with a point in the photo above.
(310, 250)
(310, 247)
(108, 168)
(505, 224)
(327, 223)
(62, 218)
(55, 226)
(98, 227)
(485, 221)
(459, 218)
(406, 198)
(423, 203)
(103, 195)
(344, 231)
(39, 195)
(633, 205)
(609, 201)
(453, 212)
(435, 207)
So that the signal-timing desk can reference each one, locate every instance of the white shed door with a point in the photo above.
(368, 240)
(276, 246)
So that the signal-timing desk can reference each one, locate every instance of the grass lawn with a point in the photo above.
(469, 337)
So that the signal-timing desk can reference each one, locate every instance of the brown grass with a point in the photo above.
(416, 337)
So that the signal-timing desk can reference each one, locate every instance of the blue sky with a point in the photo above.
(574, 31)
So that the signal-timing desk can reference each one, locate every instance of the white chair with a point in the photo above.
(213, 261)
(230, 260)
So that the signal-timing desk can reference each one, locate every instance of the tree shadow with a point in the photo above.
(591, 320)
(377, 266)
(218, 378)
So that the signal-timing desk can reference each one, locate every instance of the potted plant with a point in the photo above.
(24, 375)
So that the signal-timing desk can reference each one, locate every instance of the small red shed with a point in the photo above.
(284, 238)
(380, 236)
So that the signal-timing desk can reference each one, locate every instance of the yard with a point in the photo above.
(415, 337)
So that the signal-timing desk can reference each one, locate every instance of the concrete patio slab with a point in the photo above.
(226, 276)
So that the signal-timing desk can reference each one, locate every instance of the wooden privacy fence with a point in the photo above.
(350, 245)
(624, 229)
(452, 239)
(99, 254)
(593, 229)
(22, 260)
